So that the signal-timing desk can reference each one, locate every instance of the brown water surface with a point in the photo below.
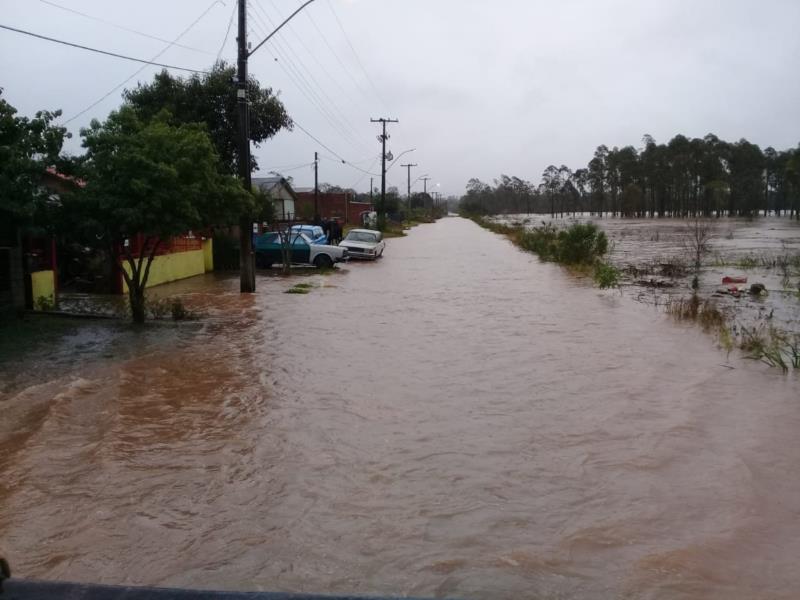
(456, 419)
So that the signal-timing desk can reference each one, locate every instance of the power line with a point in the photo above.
(325, 100)
(285, 167)
(358, 59)
(122, 27)
(286, 170)
(106, 52)
(305, 88)
(334, 53)
(336, 154)
(344, 92)
(227, 33)
(353, 187)
(167, 47)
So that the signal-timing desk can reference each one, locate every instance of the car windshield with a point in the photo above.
(309, 231)
(361, 236)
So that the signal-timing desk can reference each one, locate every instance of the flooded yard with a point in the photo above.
(656, 256)
(457, 419)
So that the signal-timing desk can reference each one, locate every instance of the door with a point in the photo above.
(301, 251)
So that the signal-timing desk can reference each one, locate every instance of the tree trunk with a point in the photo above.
(136, 297)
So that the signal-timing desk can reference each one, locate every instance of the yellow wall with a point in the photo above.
(208, 254)
(171, 267)
(43, 290)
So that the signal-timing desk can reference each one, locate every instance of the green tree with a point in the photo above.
(211, 99)
(27, 148)
(151, 179)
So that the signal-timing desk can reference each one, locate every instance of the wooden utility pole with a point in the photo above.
(316, 189)
(408, 181)
(383, 137)
(247, 267)
(425, 184)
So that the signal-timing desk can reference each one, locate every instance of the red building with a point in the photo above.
(340, 205)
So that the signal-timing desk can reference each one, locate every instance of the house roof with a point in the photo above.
(66, 178)
(269, 184)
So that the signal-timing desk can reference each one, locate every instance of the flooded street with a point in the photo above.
(457, 419)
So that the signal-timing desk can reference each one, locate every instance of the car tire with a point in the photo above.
(323, 261)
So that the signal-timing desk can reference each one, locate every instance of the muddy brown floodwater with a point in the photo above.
(457, 419)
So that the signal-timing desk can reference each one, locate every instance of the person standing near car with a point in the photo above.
(326, 229)
(336, 232)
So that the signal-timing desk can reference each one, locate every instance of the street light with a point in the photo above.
(398, 157)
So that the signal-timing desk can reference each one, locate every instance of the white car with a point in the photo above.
(363, 243)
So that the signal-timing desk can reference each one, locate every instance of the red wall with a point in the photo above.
(331, 205)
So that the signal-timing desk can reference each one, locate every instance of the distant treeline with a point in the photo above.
(684, 178)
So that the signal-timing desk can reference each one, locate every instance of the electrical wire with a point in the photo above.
(305, 88)
(336, 154)
(291, 71)
(342, 91)
(314, 85)
(358, 59)
(334, 53)
(287, 170)
(364, 176)
(122, 27)
(285, 167)
(227, 32)
(167, 47)
(106, 52)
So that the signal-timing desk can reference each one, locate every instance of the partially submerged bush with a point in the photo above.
(579, 244)
(606, 276)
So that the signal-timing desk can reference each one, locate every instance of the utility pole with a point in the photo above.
(370, 189)
(247, 267)
(425, 184)
(408, 193)
(316, 189)
(383, 139)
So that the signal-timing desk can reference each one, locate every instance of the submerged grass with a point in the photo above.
(300, 288)
(580, 246)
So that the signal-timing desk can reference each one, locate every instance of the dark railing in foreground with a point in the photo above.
(22, 589)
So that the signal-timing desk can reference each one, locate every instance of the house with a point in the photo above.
(177, 258)
(283, 196)
(332, 205)
(28, 265)
(12, 276)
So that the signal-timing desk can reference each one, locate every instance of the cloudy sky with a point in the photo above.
(480, 88)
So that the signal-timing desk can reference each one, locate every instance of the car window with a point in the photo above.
(270, 238)
(361, 236)
(300, 240)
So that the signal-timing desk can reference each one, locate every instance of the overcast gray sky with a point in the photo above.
(480, 88)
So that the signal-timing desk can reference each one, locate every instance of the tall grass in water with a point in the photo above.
(581, 246)
(772, 347)
(705, 312)
(578, 244)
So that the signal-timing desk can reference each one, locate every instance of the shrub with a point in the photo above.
(581, 243)
(606, 276)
